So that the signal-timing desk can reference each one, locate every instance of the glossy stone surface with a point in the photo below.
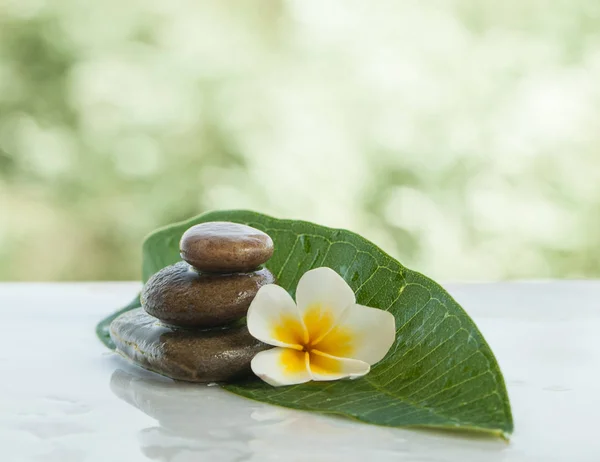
(191, 355)
(223, 247)
(65, 398)
(182, 296)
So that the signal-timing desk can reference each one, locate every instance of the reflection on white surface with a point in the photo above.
(196, 420)
(56, 404)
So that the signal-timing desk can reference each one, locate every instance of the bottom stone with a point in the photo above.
(212, 355)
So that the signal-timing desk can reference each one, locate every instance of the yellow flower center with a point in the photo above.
(311, 341)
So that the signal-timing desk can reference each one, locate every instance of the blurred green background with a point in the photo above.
(463, 137)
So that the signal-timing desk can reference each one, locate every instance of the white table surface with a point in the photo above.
(65, 397)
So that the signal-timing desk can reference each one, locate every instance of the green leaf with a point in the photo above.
(440, 372)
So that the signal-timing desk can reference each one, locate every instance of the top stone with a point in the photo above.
(223, 247)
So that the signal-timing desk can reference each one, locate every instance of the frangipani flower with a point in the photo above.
(325, 335)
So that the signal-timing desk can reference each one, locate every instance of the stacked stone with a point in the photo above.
(184, 329)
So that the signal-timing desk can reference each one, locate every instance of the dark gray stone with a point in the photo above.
(180, 295)
(223, 247)
(210, 355)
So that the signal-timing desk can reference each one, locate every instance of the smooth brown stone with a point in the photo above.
(222, 247)
(210, 355)
(180, 295)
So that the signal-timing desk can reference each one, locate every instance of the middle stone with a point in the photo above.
(181, 296)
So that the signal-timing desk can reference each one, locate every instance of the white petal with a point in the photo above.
(281, 366)
(362, 333)
(322, 296)
(326, 367)
(274, 319)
